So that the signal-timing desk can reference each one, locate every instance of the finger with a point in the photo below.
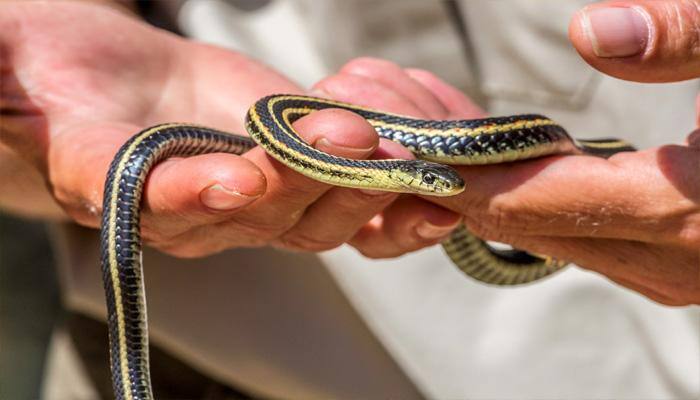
(182, 193)
(457, 103)
(693, 139)
(640, 40)
(178, 194)
(407, 225)
(664, 273)
(289, 193)
(366, 92)
(312, 232)
(334, 218)
(648, 292)
(648, 196)
(395, 78)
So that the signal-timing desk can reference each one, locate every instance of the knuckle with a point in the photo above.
(678, 225)
(180, 252)
(374, 253)
(155, 236)
(184, 249)
(484, 230)
(84, 211)
(303, 242)
(358, 201)
(266, 230)
(269, 222)
(689, 234)
(513, 215)
(370, 198)
(428, 75)
(156, 230)
(684, 22)
(204, 241)
(365, 65)
(502, 213)
(678, 32)
(296, 190)
(341, 84)
(376, 248)
(173, 245)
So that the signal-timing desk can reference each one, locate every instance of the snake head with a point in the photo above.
(429, 178)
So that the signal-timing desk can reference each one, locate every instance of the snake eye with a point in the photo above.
(429, 179)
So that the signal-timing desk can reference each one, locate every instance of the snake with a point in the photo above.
(268, 122)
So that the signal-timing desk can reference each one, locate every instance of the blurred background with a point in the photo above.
(579, 317)
(30, 306)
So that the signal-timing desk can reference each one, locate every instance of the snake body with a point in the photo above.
(269, 124)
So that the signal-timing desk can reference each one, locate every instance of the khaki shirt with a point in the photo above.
(338, 325)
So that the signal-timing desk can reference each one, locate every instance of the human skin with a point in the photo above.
(78, 79)
(635, 217)
(640, 229)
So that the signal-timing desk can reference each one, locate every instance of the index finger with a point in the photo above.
(289, 193)
(648, 195)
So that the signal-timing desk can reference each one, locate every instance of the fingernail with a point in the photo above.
(218, 197)
(616, 31)
(328, 146)
(426, 230)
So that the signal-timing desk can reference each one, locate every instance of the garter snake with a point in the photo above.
(268, 122)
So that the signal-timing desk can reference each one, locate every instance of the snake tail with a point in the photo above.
(121, 243)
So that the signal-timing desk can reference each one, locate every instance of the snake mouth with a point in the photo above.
(447, 192)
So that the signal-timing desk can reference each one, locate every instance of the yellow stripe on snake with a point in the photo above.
(269, 124)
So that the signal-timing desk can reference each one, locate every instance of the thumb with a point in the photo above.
(179, 194)
(640, 40)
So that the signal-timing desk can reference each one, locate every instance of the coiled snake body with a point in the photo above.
(482, 141)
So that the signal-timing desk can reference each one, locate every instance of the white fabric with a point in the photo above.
(572, 336)
(575, 335)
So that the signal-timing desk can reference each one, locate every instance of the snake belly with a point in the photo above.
(269, 123)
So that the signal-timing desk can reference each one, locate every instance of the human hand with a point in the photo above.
(634, 218)
(79, 79)
(640, 40)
